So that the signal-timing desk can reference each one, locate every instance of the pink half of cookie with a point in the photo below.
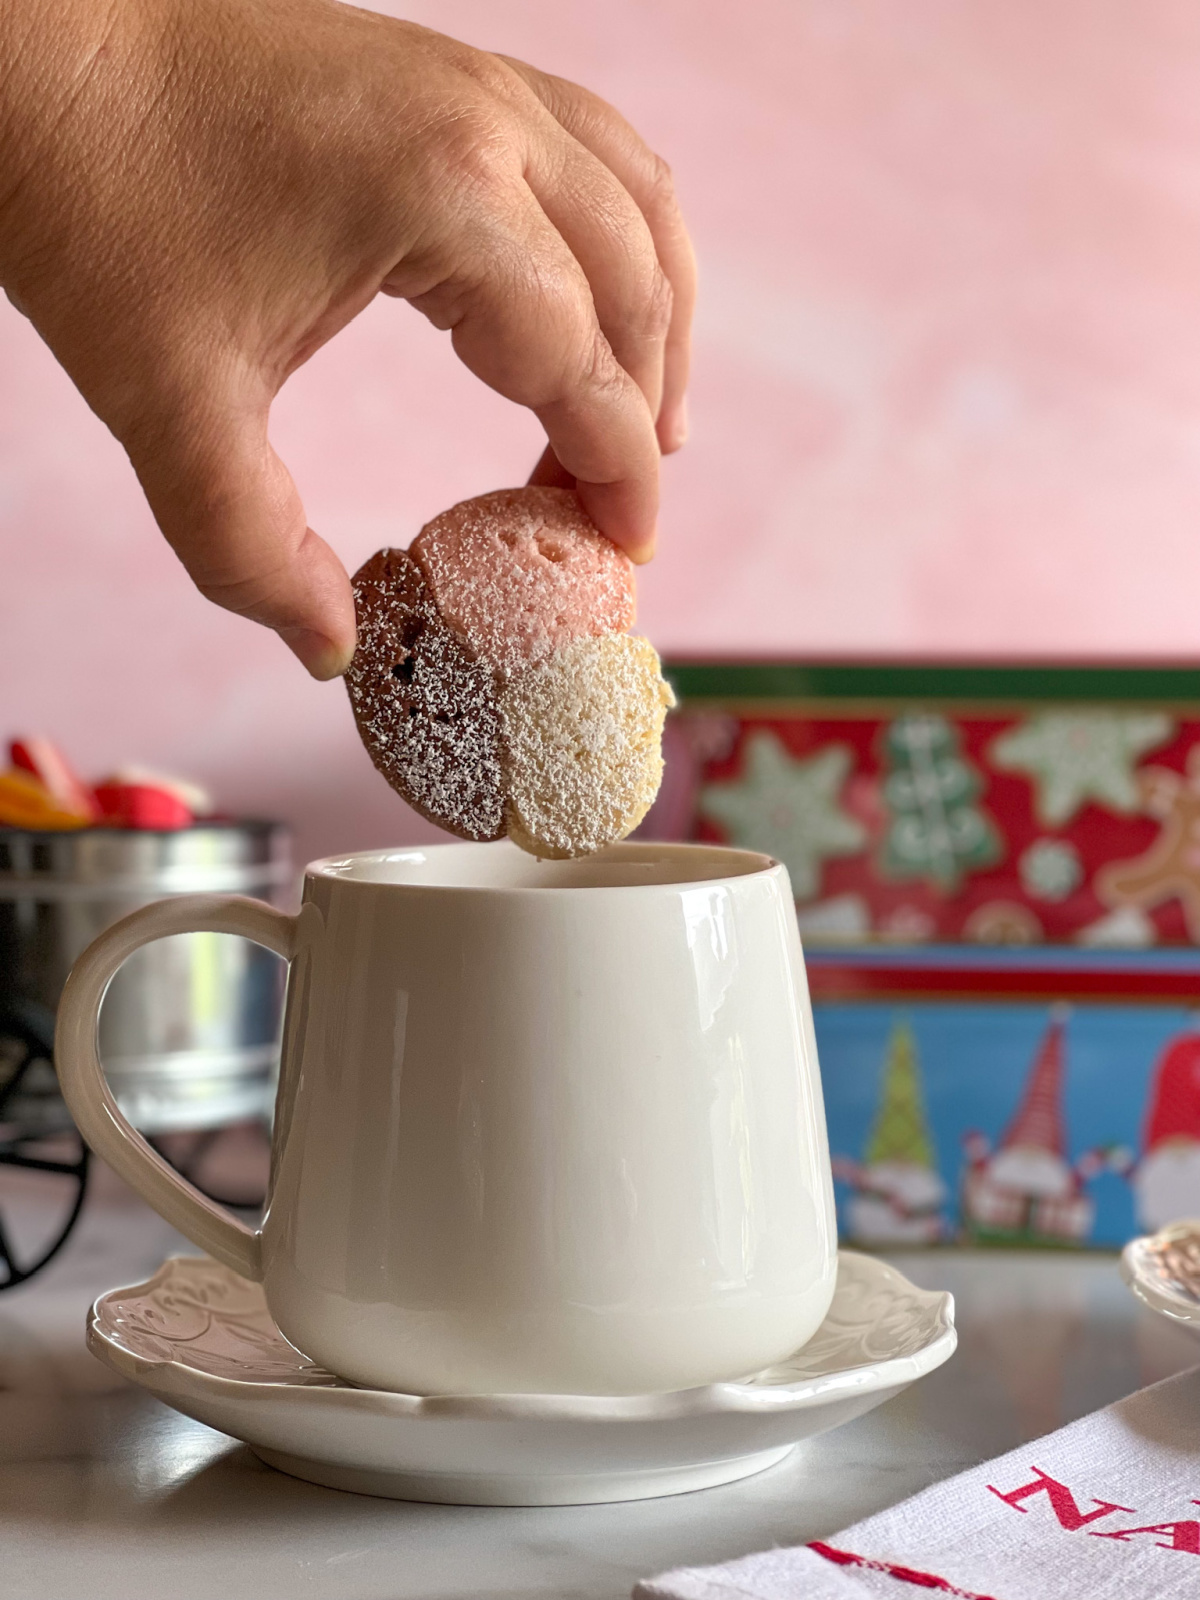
(519, 573)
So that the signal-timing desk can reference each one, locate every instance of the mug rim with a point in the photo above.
(333, 868)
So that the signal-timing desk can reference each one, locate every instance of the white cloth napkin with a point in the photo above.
(1106, 1509)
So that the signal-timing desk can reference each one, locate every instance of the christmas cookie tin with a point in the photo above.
(997, 878)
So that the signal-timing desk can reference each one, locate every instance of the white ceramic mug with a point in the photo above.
(541, 1126)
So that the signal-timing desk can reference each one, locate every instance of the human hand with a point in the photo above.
(196, 194)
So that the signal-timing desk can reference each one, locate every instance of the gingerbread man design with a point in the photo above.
(1170, 868)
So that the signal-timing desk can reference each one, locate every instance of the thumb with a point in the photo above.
(231, 512)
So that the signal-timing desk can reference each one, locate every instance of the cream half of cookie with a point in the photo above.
(548, 725)
(582, 744)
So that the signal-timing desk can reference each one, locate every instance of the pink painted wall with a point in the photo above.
(947, 393)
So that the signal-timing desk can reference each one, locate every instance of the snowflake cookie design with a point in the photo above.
(788, 808)
(1080, 755)
(1050, 869)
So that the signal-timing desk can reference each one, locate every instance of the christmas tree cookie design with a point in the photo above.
(1170, 868)
(898, 1194)
(935, 829)
(1073, 756)
(788, 808)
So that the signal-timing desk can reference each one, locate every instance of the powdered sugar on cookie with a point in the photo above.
(494, 685)
(426, 711)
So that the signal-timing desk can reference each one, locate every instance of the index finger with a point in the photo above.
(522, 318)
(647, 179)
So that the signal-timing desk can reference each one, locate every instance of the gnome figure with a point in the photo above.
(1166, 1182)
(1026, 1191)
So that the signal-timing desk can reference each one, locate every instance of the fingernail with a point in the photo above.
(645, 552)
(676, 429)
(320, 655)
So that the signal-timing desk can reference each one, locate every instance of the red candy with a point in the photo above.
(42, 791)
(141, 805)
(46, 762)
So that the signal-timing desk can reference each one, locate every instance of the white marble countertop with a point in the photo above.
(107, 1495)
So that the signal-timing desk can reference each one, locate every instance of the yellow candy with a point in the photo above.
(24, 803)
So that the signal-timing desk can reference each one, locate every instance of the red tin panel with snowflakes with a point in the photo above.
(1023, 818)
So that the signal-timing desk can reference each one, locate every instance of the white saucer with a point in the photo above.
(201, 1339)
(1163, 1271)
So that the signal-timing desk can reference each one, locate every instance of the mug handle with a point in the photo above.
(90, 1100)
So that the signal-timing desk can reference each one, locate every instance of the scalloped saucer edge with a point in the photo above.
(201, 1339)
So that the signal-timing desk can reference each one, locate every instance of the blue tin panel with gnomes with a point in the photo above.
(1011, 1122)
(998, 888)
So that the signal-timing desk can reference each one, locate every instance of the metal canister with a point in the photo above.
(189, 1029)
